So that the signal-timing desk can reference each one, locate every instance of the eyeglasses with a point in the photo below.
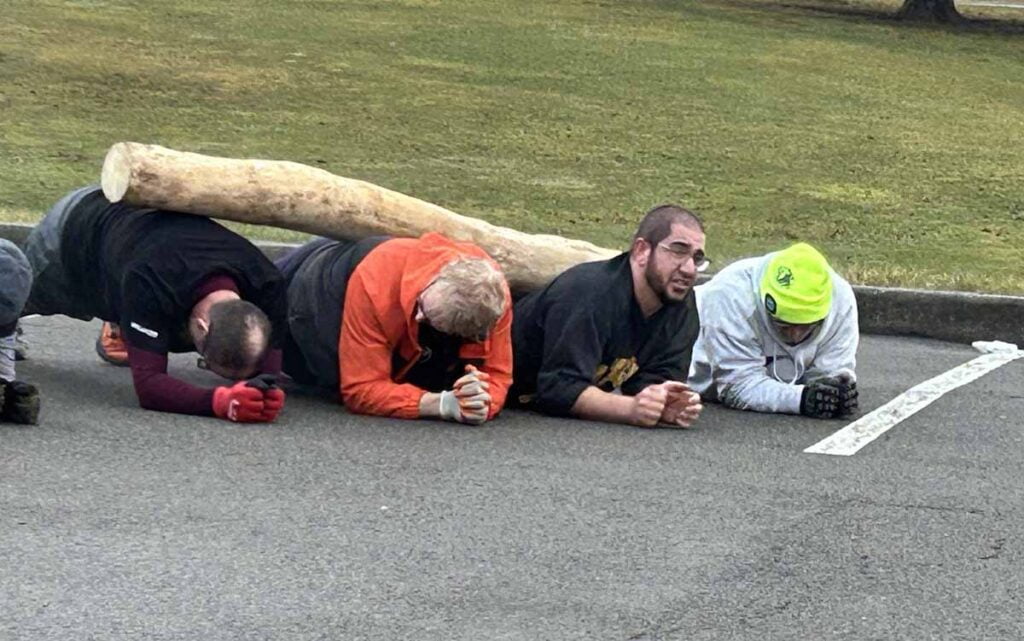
(679, 256)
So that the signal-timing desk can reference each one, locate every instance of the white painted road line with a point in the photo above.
(849, 440)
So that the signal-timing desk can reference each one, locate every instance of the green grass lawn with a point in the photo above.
(895, 148)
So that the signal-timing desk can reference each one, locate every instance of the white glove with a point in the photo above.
(449, 406)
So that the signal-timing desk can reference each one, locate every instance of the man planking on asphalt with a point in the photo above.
(611, 340)
(404, 327)
(778, 334)
(165, 282)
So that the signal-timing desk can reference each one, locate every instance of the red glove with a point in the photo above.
(273, 401)
(239, 403)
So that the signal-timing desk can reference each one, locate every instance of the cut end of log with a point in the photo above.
(117, 172)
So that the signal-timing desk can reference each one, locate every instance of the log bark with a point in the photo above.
(302, 198)
(930, 10)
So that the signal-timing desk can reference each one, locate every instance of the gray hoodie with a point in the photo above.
(741, 361)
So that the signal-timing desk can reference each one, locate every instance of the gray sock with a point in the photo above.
(7, 355)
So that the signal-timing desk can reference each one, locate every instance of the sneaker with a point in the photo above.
(20, 403)
(110, 346)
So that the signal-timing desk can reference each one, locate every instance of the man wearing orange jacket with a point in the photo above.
(402, 327)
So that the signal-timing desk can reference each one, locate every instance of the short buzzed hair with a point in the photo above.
(238, 336)
(657, 223)
(472, 295)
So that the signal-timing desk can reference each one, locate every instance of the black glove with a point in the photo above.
(848, 396)
(20, 403)
(263, 382)
(821, 398)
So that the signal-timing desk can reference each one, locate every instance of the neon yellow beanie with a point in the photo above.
(797, 285)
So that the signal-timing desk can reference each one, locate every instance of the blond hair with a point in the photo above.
(471, 295)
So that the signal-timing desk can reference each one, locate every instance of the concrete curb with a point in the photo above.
(959, 317)
(15, 232)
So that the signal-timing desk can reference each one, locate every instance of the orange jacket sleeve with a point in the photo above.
(499, 361)
(364, 359)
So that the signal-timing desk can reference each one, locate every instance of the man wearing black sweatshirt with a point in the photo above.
(611, 340)
(172, 282)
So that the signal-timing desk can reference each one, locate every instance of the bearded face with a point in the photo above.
(673, 264)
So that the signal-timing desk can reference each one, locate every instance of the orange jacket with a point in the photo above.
(378, 319)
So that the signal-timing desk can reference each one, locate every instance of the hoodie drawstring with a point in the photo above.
(775, 371)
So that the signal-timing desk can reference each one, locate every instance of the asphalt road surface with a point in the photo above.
(118, 523)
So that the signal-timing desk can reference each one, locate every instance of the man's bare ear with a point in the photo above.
(424, 300)
(202, 327)
(640, 251)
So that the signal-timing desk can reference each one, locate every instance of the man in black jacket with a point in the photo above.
(611, 340)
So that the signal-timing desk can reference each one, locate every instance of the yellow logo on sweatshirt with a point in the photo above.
(618, 373)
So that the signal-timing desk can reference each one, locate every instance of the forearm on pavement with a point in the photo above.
(759, 393)
(156, 390)
(595, 405)
(430, 405)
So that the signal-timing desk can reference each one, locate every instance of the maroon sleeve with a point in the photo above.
(161, 392)
(215, 283)
(272, 362)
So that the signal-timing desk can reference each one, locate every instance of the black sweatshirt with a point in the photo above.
(586, 328)
(316, 277)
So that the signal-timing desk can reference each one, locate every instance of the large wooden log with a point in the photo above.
(302, 198)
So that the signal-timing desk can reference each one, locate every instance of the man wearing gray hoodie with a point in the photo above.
(778, 334)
